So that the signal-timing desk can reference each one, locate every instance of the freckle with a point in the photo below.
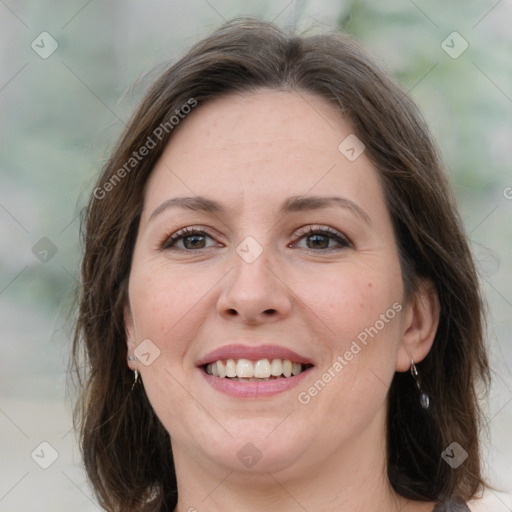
(370, 285)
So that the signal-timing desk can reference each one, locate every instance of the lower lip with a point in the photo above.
(253, 389)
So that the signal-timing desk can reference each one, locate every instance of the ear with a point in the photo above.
(421, 320)
(130, 334)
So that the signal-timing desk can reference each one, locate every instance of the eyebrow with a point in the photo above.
(197, 203)
(304, 203)
(292, 204)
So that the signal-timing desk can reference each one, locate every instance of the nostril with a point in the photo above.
(269, 311)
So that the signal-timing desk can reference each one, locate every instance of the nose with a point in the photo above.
(254, 293)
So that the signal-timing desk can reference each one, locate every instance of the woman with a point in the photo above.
(279, 307)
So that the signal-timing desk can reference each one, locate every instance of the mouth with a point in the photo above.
(253, 371)
(262, 370)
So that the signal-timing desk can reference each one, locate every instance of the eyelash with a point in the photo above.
(169, 242)
(342, 240)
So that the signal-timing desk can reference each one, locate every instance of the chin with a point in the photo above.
(257, 446)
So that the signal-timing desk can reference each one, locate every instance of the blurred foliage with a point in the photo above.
(464, 108)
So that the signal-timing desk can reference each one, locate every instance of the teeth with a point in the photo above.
(276, 368)
(287, 368)
(230, 368)
(263, 369)
(244, 368)
(296, 368)
(221, 369)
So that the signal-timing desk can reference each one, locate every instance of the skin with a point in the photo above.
(250, 152)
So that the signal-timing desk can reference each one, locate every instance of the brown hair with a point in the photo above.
(126, 450)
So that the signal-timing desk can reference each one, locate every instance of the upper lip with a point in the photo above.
(253, 353)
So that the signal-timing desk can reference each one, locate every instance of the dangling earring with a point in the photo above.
(424, 399)
(135, 372)
(135, 378)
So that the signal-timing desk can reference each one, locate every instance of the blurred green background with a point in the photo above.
(60, 113)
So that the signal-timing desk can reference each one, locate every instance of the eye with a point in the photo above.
(188, 239)
(322, 238)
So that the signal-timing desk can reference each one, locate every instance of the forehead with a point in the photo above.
(262, 145)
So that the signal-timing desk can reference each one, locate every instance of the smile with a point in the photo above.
(254, 371)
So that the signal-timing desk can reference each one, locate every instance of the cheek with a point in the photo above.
(166, 308)
(350, 299)
(163, 300)
(359, 308)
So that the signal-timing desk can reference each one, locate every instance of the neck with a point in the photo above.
(353, 477)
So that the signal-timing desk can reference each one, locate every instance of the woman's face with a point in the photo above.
(263, 242)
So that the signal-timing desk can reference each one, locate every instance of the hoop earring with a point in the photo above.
(424, 399)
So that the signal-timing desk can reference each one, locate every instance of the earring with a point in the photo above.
(135, 372)
(135, 378)
(424, 399)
